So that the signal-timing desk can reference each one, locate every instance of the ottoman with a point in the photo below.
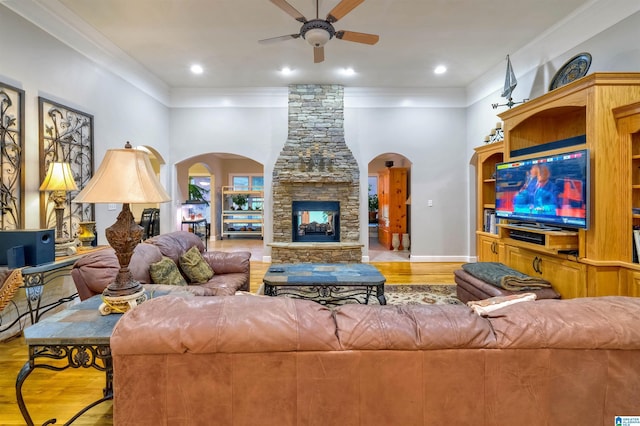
(471, 288)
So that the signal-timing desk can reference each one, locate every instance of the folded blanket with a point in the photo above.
(515, 283)
(484, 307)
(502, 276)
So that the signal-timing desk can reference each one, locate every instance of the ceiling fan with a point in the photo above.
(318, 31)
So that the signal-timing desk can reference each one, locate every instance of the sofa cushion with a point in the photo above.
(607, 322)
(143, 256)
(411, 327)
(235, 324)
(225, 284)
(228, 262)
(174, 244)
(166, 272)
(195, 267)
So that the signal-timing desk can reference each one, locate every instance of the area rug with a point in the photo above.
(398, 294)
(423, 294)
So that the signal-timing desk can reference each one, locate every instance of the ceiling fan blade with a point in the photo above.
(358, 37)
(284, 5)
(341, 9)
(318, 54)
(276, 39)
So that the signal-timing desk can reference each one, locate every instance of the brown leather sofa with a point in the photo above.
(251, 360)
(95, 271)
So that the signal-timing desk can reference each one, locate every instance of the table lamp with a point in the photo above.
(125, 176)
(59, 180)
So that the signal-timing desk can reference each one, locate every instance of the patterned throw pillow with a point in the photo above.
(166, 272)
(195, 267)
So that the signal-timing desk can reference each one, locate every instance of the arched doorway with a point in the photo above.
(389, 200)
(223, 170)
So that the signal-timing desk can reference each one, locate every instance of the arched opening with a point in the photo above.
(213, 175)
(389, 206)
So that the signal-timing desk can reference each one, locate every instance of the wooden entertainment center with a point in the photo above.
(604, 109)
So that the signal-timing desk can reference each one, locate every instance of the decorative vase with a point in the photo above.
(395, 241)
(405, 242)
(86, 233)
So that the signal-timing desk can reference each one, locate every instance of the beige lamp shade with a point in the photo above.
(59, 178)
(125, 176)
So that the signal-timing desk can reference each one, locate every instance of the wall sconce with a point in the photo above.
(59, 180)
(125, 176)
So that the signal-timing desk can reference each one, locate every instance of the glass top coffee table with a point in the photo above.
(326, 283)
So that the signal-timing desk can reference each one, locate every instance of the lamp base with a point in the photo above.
(121, 304)
(66, 248)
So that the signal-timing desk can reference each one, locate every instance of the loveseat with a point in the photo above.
(257, 360)
(95, 271)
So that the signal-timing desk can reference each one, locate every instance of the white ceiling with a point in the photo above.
(162, 38)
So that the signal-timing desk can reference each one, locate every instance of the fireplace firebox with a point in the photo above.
(316, 221)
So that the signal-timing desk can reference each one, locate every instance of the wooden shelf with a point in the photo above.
(555, 241)
(488, 155)
(231, 219)
(601, 113)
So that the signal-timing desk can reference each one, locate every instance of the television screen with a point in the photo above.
(545, 190)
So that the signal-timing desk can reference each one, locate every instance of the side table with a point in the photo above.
(77, 337)
(35, 280)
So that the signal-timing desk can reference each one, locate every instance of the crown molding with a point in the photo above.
(54, 18)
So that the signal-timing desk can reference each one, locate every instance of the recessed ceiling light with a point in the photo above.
(286, 70)
(197, 69)
(440, 69)
(348, 71)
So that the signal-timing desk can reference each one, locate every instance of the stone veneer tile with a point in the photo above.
(316, 117)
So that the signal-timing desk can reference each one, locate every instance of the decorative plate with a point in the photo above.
(574, 69)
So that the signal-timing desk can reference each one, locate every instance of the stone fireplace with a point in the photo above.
(316, 166)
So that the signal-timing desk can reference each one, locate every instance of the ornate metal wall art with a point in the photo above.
(11, 157)
(66, 135)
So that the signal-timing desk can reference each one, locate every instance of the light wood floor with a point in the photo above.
(50, 394)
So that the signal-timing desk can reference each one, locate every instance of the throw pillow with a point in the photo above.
(195, 267)
(166, 272)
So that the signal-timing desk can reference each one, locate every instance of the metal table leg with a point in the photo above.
(76, 356)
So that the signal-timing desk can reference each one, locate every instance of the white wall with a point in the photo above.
(42, 66)
(433, 139)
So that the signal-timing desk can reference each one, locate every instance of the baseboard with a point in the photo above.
(412, 258)
(467, 259)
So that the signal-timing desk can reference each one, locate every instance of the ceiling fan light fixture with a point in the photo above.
(317, 37)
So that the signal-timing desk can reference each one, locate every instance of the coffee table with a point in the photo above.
(325, 283)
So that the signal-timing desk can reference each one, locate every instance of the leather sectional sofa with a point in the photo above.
(256, 360)
(95, 271)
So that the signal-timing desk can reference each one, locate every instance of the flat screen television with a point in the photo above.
(547, 190)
